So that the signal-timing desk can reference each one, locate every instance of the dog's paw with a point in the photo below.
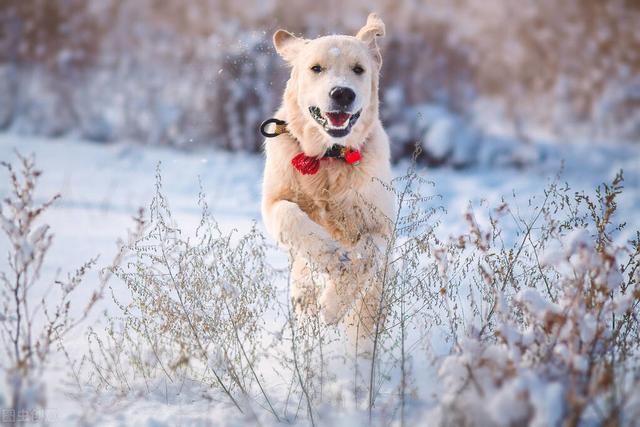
(340, 262)
(303, 291)
(332, 261)
(330, 306)
(304, 305)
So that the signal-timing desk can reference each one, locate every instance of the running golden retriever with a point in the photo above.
(326, 195)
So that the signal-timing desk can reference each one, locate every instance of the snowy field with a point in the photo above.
(102, 187)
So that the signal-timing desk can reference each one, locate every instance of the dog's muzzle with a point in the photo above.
(325, 121)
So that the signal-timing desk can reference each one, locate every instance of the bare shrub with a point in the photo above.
(196, 309)
(35, 316)
(552, 335)
(536, 304)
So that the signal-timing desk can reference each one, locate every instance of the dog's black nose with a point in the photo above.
(343, 96)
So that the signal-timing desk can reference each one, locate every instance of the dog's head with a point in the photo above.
(333, 85)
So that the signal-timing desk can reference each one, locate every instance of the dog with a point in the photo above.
(326, 195)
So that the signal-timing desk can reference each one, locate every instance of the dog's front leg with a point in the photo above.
(304, 287)
(360, 272)
(295, 231)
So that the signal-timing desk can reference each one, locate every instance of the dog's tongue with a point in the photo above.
(338, 119)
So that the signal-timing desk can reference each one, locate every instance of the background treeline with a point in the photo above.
(204, 73)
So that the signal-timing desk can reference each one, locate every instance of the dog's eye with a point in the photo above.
(316, 69)
(358, 69)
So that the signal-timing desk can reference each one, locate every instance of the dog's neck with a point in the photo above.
(314, 141)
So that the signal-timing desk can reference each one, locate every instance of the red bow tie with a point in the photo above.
(310, 165)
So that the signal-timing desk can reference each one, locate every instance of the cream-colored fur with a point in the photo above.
(334, 223)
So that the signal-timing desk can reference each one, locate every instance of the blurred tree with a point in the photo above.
(169, 71)
(48, 32)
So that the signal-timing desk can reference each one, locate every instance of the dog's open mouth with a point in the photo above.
(338, 119)
(335, 123)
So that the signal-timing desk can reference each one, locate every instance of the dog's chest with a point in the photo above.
(334, 179)
(331, 199)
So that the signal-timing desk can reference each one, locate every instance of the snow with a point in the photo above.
(102, 186)
(535, 303)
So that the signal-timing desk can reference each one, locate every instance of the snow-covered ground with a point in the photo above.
(102, 187)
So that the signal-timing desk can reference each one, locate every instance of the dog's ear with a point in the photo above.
(372, 29)
(287, 45)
